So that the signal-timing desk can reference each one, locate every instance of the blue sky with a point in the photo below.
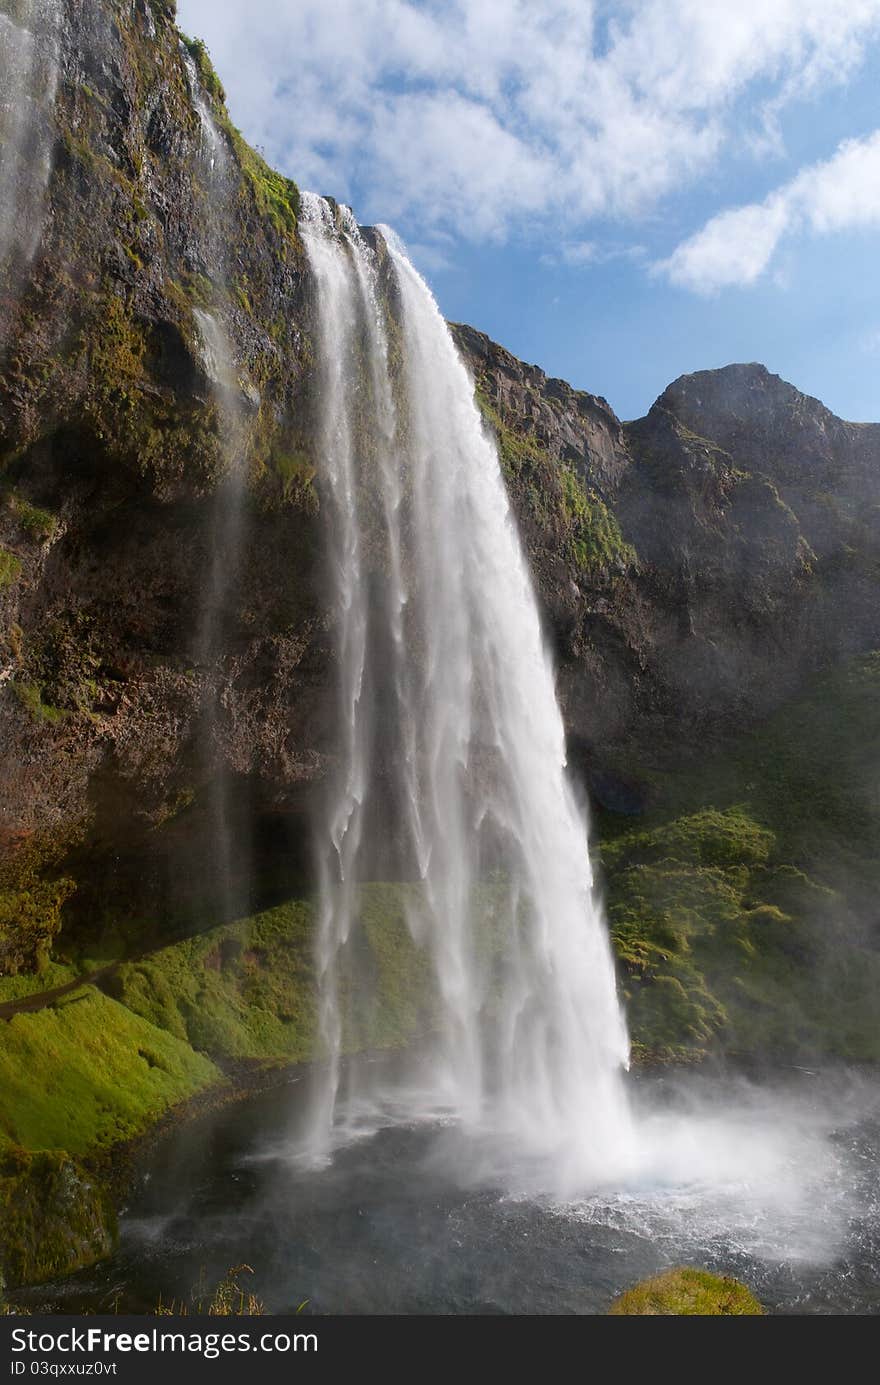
(619, 192)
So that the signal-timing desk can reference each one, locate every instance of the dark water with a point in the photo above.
(776, 1182)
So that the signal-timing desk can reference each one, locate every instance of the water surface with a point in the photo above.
(776, 1181)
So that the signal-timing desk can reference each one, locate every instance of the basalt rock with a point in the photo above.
(746, 552)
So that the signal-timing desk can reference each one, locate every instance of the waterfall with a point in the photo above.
(29, 51)
(231, 895)
(214, 150)
(452, 745)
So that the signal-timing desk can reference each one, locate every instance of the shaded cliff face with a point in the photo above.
(720, 697)
(158, 234)
(745, 552)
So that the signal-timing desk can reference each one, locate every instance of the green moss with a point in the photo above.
(595, 541)
(244, 990)
(247, 990)
(392, 1001)
(276, 197)
(738, 925)
(37, 523)
(33, 890)
(54, 1216)
(65, 664)
(164, 437)
(688, 1292)
(87, 1073)
(576, 519)
(29, 923)
(198, 290)
(18, 985)
(708, 838)
(31, 698)
(10, 569)
(296, 473)
(211, 83)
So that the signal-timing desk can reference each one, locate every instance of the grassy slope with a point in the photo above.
(742, 910)
(93, 1069)
(88, 1072)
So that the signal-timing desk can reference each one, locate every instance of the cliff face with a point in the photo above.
(163, 245)
(745, 551)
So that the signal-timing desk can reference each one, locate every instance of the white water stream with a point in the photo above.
(451, 730)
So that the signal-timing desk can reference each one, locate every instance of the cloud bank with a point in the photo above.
(737, 246)
(483, 118)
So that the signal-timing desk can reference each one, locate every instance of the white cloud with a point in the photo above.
(579, 252)
(485, 116)
(737, 246)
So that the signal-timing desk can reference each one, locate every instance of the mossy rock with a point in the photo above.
(576, 521)
(55, 1217)
(687, 1292)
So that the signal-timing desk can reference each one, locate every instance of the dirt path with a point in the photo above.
(41, 999)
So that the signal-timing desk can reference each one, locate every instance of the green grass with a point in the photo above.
(276, 197)
(247, 989)
(393, 999)
(88, 1072)
(687, 1292)
(731, 905)
(33, 982)
(211, 83)
(243, 990)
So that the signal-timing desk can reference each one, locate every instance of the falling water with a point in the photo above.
(28, 81)
(230, 894)
(452, 742)
(213, 148)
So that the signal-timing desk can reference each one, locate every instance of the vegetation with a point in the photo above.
(244, 990)
(10, 569)
(30, 695)
(581, 526)
(695, 1293)
(211, 83)
(735, 905)
(37, 524)
(33, 889)
(85, 1073)
(230, 1298)
(276, 197)
(54, 1216)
